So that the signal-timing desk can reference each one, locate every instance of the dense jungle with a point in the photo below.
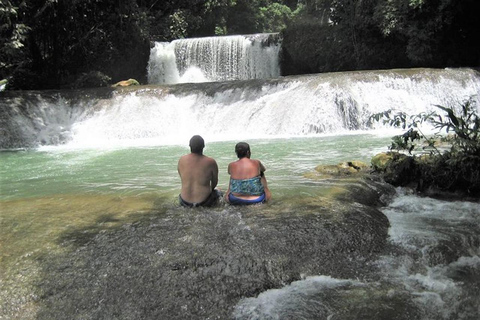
(52, 44)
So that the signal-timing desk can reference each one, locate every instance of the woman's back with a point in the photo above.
(244, 168)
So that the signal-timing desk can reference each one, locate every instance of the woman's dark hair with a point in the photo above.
(197, 144)
(242, 149)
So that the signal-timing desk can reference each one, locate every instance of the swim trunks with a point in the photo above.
(248, 187)
(211, 200)
(239, 201)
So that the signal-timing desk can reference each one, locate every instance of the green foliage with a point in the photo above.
(465, 127)
(51, 43)
(413, 137)
(178, 24)
(396, 33)
(63, 40)
(456, 167)
(13, 36)
(274, 17)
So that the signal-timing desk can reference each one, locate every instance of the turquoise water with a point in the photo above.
(51, 191)
(46, 191)
(137, 171)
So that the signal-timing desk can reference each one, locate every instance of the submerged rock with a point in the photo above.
(181, 263)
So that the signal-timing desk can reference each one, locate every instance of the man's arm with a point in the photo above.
(178, 166)
(214, 180)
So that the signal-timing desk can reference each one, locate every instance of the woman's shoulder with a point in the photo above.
(257, 162)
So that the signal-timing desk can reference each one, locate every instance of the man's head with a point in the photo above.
(197, 144)
(242, 149)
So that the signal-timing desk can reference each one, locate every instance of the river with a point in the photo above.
(89, 195)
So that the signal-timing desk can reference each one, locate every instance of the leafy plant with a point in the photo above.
(465, 127)
(454, 168)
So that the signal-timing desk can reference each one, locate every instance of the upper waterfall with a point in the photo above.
(210, 59)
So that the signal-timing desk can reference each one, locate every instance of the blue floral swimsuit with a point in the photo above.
(247, 187)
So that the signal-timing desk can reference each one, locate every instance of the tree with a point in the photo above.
(437, 32)
(274, 17)
(66, 39)
(13, 36)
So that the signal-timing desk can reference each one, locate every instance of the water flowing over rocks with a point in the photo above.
(293, 106)
(181, 263)
(237, 57)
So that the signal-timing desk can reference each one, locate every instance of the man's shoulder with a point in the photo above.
(184, 158)
(210, 160)
(197, 158)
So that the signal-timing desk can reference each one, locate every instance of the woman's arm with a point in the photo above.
(263, 180)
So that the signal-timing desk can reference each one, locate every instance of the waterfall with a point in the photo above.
(299, 106)
(215, 59)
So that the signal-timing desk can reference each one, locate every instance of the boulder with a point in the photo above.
(198, 264)
(342, 169)
(126, 83)
(379, 161)
(397, 168)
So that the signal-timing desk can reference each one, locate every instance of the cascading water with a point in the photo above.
(215, 59)
(288, 107)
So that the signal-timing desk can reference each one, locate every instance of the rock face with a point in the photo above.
(182, 263)
(430, 174)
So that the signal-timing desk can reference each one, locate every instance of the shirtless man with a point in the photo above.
(199, 176)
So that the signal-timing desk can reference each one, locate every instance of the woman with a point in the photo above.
(248, 184)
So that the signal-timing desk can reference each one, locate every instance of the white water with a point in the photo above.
(444, 235)
(437, 270)
(214, 59)
(301, 106)
(335, 103)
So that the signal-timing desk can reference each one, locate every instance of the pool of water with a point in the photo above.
(51, 191)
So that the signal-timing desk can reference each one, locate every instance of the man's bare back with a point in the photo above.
(199, 176)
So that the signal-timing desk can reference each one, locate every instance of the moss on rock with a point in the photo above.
(342, 169)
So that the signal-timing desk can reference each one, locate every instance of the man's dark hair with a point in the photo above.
(242, 149)
(197, 144)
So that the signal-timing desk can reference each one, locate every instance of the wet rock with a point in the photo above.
(341, 169)
(396, 168)
(198, 264)
(126, 83)
(380, 161)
